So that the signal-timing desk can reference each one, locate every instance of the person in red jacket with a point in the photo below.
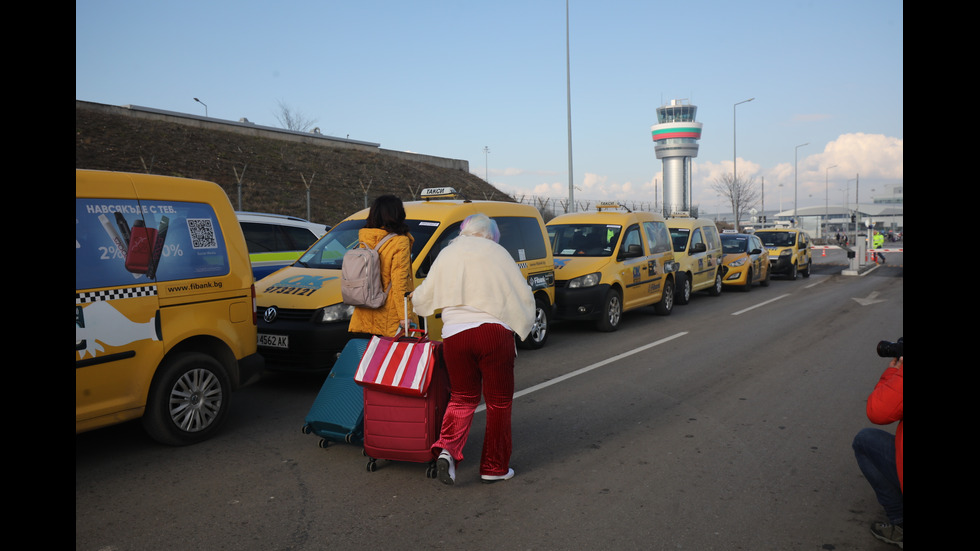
(880, 454)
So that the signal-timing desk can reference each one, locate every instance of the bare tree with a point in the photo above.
(742, 194)
(292, 120)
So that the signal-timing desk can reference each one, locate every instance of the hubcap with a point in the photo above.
(540, 327)
(195, 400)
(614, 311)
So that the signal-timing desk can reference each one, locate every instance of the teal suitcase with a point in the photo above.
(337, 414)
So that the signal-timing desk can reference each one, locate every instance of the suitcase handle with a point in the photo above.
(424, 334)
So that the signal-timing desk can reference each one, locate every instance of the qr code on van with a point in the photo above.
(202, 233)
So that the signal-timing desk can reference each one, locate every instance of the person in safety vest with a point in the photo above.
(877, 242)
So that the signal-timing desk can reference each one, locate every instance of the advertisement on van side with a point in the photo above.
(122, 242)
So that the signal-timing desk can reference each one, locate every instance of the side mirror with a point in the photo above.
(698, 248)
(633, 251)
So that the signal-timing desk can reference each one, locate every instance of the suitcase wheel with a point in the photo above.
(372, 465)
(430, 471)
(307, 429)
(323, 443)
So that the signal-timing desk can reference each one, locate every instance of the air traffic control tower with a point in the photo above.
(676, 138)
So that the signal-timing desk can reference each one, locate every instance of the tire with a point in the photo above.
(793, 272)
(188, 400)
(539, 331)
(612, 312)
(748, 282)
(806, 272)
(765, 280)
(715, 290)
(666, 304)
(684, 290)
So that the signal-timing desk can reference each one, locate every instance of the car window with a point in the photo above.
(711, 237)
(522, 237)
(584, 239)
(696, 238)
(632, 237)
(259, 238)
(734, 244)
(680, 237)
(658, 237)
(328, 252)
(297, 239)
(779, 238)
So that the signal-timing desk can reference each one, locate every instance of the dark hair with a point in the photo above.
(388, 213)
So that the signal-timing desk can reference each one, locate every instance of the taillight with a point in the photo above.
(255, 310)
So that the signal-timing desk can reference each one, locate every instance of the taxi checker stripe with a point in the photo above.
(113, 294)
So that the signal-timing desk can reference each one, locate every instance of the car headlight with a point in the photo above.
(739, 262)
(335, 312)
(786, 252)
(588, 280)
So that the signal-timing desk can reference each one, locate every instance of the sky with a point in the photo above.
(488, 82)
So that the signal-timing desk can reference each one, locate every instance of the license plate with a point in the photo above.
(274, 341)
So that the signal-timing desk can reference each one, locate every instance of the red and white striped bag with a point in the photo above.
(398, 365)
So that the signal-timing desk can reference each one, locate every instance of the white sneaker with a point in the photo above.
(446, 467)
(491, 478)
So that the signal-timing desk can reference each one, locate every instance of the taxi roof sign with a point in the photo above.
(607, 205)
(439, 193)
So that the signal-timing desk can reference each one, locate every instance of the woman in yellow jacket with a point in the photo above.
(387, 215)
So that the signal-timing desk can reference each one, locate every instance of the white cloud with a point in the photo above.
(876, 159)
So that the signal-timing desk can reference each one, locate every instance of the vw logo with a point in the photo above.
(270, 314)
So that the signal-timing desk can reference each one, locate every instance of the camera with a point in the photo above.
(891, 349)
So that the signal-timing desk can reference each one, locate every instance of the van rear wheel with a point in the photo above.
(188, 400)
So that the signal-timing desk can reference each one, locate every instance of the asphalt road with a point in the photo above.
(726, 425)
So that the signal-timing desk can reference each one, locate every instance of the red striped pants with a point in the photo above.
(480, 360)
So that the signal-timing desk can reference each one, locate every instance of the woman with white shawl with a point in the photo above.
(485, 300)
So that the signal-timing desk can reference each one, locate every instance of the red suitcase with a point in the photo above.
(399, 427)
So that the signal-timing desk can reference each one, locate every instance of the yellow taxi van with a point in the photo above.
(790, 251)
(610, 261)
(165, 325)
(303, 320)
(697, 251)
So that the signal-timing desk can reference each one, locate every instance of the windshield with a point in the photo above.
(733, 244)
(584, 239)
(679, 236)
(778, 238)
(328, 252)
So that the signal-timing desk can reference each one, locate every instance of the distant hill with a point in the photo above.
(272, 170)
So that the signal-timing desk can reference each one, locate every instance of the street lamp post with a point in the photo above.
(735, 154)
(796, 184)
(826, 200)
(486, 163)
(205, 106)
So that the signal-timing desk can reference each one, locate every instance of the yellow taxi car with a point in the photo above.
(789, 251)
(611, 261)
(745, 262)
(303, 320)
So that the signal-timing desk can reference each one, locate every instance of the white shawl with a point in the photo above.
(476, 272)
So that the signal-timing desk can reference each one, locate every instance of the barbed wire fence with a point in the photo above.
(550, 206)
